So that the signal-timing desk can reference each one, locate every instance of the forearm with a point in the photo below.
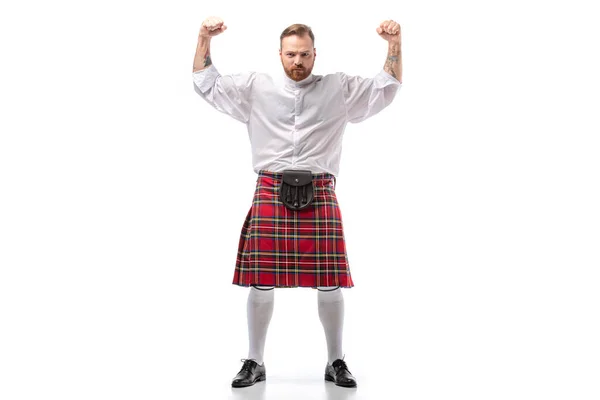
(393, 62)
(202, 58)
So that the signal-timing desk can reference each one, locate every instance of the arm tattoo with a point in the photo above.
(392, 63)
(202, 58)
(207, 60)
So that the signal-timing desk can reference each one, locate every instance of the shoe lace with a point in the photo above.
(248, 362)
(340, 364)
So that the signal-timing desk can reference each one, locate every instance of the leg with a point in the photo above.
(259, 310)
(331, 314)
(261, 300)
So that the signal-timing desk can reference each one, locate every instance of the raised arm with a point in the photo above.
(230, 94)
(365, 97)
(211, 26)
(390, 31)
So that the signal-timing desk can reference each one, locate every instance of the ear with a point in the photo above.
(315, 52)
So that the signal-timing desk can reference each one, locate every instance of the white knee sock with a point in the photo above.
(259, 310)
(331, 314)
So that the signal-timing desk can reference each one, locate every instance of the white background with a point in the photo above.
(470, 204)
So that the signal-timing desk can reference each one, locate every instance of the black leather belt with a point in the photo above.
(296, 189)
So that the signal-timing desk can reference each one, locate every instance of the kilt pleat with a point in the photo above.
(285, 248)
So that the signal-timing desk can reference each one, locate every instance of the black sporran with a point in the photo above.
(296, 189)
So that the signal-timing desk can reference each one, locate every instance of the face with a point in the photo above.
(297, 56)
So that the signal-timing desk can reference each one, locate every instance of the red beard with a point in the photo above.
(298, 73)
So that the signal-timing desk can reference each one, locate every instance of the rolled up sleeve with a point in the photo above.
(229, 94)
(365, 97)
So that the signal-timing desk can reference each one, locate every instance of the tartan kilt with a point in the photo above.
(285, 248)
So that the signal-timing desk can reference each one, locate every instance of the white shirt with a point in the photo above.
(296, 125)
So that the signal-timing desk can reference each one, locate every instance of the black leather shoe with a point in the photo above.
(338, 373)
(250, 373)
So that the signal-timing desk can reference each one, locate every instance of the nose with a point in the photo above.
(297, 62)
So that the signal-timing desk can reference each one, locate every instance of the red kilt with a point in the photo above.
(284, 248)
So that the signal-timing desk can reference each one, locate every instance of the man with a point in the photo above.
(293, 234)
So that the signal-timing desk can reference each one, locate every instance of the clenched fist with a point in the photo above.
(212, 26)
(389, 30)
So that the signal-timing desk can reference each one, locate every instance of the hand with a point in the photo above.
(390, 31)
(212, 26)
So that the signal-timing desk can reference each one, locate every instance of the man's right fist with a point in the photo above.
(212, 26)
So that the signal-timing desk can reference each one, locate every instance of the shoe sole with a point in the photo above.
(331, 379)
(258, 379)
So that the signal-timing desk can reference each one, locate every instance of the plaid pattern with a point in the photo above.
(285, 248)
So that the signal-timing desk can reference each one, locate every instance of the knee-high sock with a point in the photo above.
(259, 310)
(331, 314)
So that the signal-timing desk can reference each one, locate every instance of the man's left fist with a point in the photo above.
(389, 30)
